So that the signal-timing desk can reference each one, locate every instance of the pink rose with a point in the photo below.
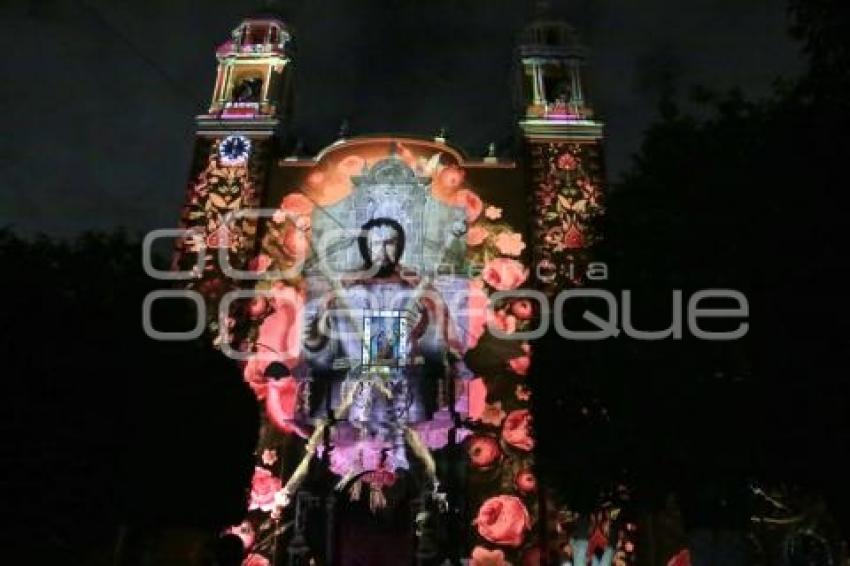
(516, 430)
(263, 487)
(510, 243)
(503, 520)
(476, 236)
(523, 309)
(297, 204)
(484, 557)
(504, 274)
(255, 560)
(525, 482)
(567, 162)
(470, 202)
(483, 451)
(520, 365)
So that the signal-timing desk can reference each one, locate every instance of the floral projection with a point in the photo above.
(215, 197)
(492, 421)
(566, 199)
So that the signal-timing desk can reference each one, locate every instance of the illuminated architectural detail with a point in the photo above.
(249, 104)
(251, 81)
(373, 334)
(416, 379)
(566, 200)
(564, 149)
(234, 150)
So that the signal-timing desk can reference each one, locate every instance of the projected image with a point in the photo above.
(384, 339)
(383, 320)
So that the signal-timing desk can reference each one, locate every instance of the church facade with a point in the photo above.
(381, 297)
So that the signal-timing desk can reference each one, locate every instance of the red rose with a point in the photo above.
(503, 520)
(483, 451)
(297, 204)
(516, 430)
(263, 487)
(523, 309)
(504, 274)
(471, 203)
(525, 481)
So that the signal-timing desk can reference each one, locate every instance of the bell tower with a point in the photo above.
(563, 145)
(235, 145)
(251, 84)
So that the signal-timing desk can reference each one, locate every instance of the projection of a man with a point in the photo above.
(381, 245)
(378, 342)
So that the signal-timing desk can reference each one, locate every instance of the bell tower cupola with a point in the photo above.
(252, 80)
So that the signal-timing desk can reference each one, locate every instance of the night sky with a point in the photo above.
(100, 95)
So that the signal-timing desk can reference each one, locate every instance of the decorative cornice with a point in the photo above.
(589, 130)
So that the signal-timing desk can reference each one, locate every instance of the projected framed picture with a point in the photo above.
(384, 338)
